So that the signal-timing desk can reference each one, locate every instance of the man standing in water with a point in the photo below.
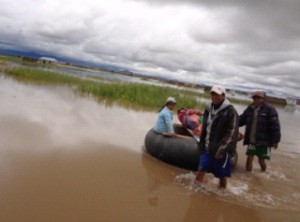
(218, 138)
(262, 130)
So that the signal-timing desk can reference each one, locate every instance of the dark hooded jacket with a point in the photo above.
(223, 130)
(267, 128)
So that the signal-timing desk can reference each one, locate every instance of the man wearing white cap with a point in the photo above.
(218, 138)
(164, 122)
(262, 130)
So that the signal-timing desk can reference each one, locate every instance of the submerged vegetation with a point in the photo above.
(134, 95)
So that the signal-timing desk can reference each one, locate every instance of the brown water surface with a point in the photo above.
(64, 158)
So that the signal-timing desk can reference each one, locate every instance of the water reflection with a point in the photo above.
(208, 209)
(69, 118)
(290, 108)
(200, 206)
(159, 174)
(67, 157)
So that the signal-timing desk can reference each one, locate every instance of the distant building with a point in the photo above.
(47, 60)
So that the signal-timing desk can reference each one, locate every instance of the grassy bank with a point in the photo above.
(132, 95)
(41, 76)
(6, 58)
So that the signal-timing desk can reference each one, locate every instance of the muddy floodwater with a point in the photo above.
(68, 158)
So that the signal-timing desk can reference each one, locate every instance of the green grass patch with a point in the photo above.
(10, 58)
(41, 76)
(131, 95)
(239, 101)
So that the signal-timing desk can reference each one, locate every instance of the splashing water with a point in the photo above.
(240, 189)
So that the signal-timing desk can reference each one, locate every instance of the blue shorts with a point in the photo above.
(219, 168)
(190, 124)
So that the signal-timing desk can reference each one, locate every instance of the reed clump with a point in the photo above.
(132, 95)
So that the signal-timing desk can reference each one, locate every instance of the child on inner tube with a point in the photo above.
(190, 118)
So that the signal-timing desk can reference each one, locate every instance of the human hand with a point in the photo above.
(240, 137)
(199, 113)
(220, 153)
(275, 145)
(169, 134)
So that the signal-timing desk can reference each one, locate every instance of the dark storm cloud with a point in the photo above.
(231, 42)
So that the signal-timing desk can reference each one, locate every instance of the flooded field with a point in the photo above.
(66, 158)
(106, 76)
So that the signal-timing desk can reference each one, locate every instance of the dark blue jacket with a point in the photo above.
(268, 126)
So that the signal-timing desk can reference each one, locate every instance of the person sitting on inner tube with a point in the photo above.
(164, 122)
(190, 119)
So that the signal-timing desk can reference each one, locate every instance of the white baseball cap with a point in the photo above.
(218, 89)
(170, 100)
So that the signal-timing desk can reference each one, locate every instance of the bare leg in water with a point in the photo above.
(249, 163)
(199, 177)
(223, 183)
(262, 164)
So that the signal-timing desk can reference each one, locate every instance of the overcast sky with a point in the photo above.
(244, 43)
